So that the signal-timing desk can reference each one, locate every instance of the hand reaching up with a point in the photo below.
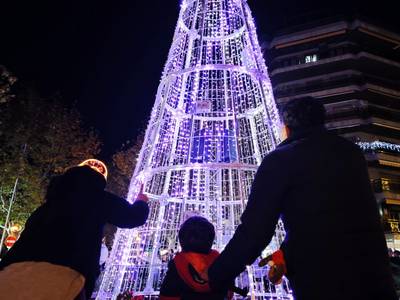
(141, 196)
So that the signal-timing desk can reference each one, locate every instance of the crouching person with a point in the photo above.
(57, 255)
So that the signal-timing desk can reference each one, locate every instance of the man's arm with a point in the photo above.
(121, 213)
(258, 222)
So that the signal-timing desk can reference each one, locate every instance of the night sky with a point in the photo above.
(108, 57)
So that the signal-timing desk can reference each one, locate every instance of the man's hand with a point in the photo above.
(263, 262)
(141, 196)
(276, 273)
(277, 266)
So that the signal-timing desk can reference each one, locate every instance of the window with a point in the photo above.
(385, 184)
(311, 58)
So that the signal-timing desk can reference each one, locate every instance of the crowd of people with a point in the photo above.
(316, 181)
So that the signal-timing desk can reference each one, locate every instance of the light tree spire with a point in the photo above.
(213, 121)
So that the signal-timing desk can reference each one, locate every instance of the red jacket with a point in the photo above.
(179, 283)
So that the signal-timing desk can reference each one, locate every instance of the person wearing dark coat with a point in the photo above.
(318, 183)
(67, 229)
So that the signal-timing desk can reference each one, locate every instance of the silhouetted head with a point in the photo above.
(77, 179)
(196, 235)
(303, 114)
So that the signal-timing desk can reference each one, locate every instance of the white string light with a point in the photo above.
(378, 145)
(213, 120)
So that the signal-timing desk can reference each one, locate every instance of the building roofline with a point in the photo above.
(307, 24)
(330, 27)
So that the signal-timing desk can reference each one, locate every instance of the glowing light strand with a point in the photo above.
(378, 145)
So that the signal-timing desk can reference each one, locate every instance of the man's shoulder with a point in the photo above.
(277, 153)
(285, 148)
(276, 158)
(288, 152)
(324, 137)
(343, 142)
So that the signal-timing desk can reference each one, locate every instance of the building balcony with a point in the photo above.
(386, 185)
(387, 192)
(364, 62)
(391, 226)
(379, 126)
(309, 84)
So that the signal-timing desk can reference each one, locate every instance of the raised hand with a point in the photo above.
(141, 196)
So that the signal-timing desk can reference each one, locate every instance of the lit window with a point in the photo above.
(311, 58)
(385, 184)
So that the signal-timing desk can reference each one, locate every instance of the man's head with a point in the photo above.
(303, 114)
(75, 179)
(196, 235)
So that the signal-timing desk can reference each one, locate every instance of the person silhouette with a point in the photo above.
(57, 254)
(318, 183)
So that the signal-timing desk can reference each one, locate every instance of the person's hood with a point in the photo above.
(77, 180)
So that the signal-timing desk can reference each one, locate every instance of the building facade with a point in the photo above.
(353, 66)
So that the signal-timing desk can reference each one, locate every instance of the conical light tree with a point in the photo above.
(213, 121)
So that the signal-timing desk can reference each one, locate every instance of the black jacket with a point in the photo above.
(67, 229)
(335, 248)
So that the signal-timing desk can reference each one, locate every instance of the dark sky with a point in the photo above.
(108, 57)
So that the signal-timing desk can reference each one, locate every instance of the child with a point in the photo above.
(182, 281)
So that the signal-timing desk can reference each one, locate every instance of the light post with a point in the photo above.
(5, 229)
(3, 236)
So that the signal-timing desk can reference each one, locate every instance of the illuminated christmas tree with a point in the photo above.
(213, 121)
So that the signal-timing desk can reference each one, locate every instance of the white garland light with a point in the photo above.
(213, 120)
(378, 145)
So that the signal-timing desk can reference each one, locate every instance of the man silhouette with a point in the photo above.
(318, 183)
